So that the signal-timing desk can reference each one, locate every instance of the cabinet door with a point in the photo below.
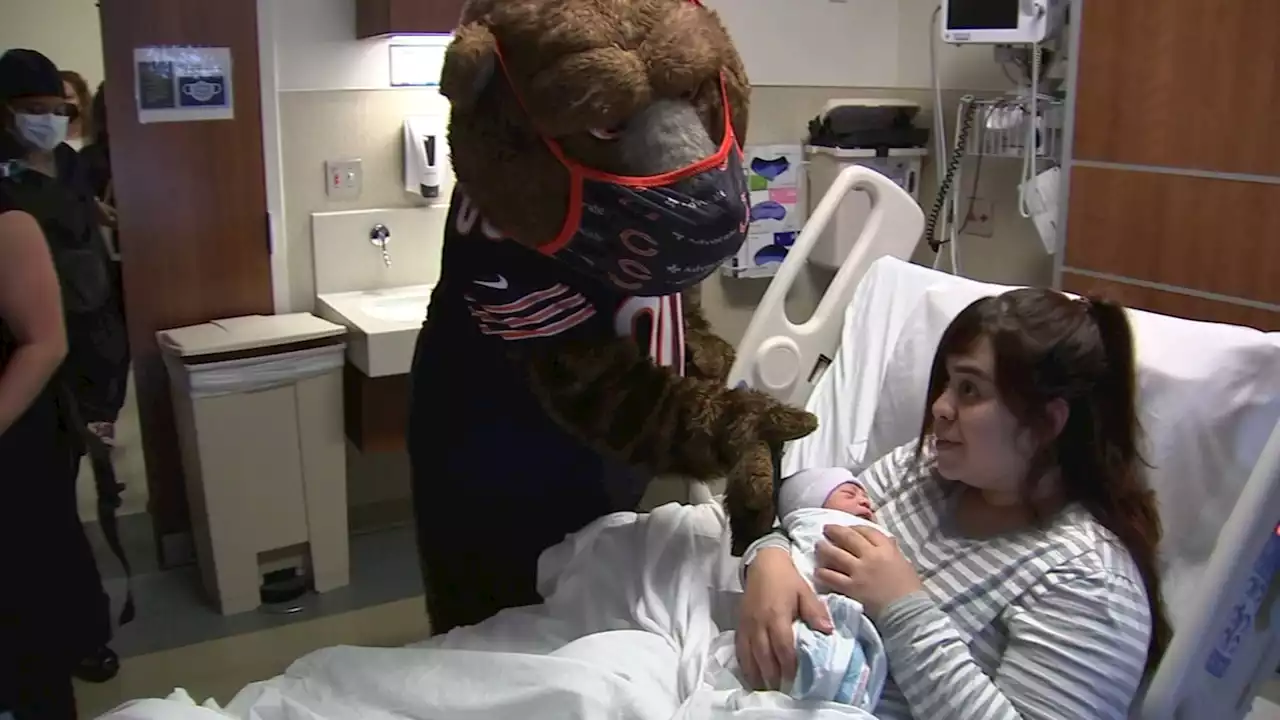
(406, 17)
(1180, 83)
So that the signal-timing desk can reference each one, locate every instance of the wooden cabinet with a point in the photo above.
(1175, 171)
(376, 410)
(406, 17)
(1180, 83)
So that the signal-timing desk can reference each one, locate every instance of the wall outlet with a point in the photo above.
(344, 179)
(981, 221)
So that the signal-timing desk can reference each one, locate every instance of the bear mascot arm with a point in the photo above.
(539, 90)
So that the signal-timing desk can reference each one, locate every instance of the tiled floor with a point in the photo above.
(173, 611)
(1267, 707)
(219, 668)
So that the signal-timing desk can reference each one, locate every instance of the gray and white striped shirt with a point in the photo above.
(1045, 624)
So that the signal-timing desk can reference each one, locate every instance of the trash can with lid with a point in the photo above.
(258, 405)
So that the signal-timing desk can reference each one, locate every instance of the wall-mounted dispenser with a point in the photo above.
(424, 155)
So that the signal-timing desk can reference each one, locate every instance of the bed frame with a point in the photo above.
(1229, 645)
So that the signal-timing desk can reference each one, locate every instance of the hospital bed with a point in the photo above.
(1209, 405)
(1210, 397)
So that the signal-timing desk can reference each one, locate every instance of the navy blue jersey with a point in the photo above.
(474, 420)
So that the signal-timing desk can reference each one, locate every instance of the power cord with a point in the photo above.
(977, 178)
(953, 165)
(1031, 151)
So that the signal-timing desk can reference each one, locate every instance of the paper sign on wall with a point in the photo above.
(183, 84)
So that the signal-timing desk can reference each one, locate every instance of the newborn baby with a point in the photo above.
(847, 666)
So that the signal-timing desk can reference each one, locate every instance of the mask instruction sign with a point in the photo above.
(183, 84)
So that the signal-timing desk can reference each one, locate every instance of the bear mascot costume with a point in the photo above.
(565, 362)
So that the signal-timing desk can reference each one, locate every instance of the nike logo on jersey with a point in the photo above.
(499, 284)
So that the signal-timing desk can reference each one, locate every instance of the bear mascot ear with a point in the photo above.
(468, 65)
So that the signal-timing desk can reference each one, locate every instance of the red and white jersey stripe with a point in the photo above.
(543, 313)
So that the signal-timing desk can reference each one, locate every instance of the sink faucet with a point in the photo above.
(380, 235)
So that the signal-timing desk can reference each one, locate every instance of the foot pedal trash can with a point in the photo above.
(258, 407)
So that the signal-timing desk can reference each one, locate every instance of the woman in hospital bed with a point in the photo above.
(1022, 581)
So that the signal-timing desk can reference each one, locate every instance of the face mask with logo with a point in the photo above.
(656, 235)
(42, 132)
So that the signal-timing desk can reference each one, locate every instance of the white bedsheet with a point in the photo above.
(634, 606)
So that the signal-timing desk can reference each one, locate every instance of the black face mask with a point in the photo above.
(656, 235)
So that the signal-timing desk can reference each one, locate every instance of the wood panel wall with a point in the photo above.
(193, 218)
(1180, 83)
(1175, 170)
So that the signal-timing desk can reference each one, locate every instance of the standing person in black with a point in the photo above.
(40, 532)
(61, 613)
(96, 157)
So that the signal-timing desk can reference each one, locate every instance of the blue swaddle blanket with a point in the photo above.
(848, 666)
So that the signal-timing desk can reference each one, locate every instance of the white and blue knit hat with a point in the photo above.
(811, 488)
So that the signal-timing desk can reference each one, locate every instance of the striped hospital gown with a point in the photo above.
(1047, 624)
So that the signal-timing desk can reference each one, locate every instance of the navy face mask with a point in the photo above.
(655, 235)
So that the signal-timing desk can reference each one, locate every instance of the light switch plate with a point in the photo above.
(344, 179)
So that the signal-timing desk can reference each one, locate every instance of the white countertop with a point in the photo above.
(384, 325)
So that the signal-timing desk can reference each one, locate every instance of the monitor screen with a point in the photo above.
(982, 14)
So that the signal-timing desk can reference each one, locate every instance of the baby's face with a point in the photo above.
(850, 498)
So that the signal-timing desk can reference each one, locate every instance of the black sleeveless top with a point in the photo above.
(32, 428)
(64, 614)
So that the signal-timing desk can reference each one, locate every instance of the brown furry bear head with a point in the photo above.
(609, 80)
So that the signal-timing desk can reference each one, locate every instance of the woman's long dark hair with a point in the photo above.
(1047, 347)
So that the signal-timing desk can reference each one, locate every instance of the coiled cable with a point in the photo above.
(953, 165)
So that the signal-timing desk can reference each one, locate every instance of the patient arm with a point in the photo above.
(615, 399)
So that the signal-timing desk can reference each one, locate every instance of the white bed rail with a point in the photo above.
(784, 359)
(1229, 644)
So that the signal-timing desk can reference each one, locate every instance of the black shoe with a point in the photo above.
(102, 665)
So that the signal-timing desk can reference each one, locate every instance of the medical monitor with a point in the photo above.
(1015, 22)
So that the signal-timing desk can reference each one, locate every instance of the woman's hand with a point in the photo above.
(866, 565)
(107, 215)
(775, 596)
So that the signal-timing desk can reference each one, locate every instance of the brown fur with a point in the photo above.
(571, 66)
(577, 64)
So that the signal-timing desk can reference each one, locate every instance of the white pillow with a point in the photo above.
(844, 399)
(1209, 397)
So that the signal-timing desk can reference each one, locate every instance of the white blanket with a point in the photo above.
(634, 606)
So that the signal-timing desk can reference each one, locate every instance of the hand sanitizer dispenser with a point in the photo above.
(424, 137)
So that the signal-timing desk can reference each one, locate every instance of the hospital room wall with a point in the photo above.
(329, 109)
(334, 102)
(73, 41)
(1012, 255)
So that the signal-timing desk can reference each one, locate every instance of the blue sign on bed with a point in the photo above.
(1243, 614)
